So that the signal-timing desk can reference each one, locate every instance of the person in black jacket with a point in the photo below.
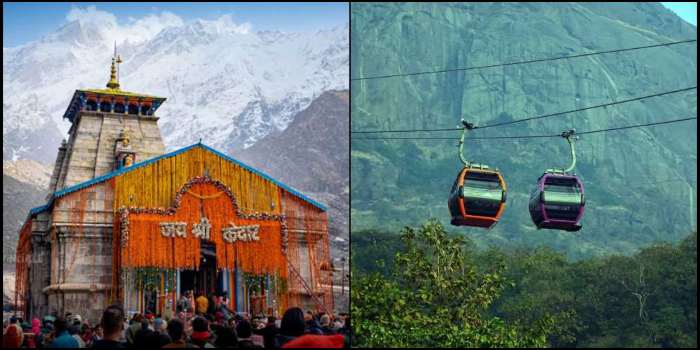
(112, 326)
(326, 326)
(312, 325)
(143, 335)
(159, 337)
(211, 308)
(200, 332)
(293, 326)
(226, 338)
(244, 331)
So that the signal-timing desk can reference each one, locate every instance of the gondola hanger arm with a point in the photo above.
(570, 136)
(465, 126)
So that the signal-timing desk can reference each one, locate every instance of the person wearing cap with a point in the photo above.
(74, 326)
(45, 330)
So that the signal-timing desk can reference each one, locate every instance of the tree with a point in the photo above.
(543, 285)
(435, 298)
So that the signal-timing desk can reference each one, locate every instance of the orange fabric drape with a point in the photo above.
(307, 252)
(23, 258)
(154, 187)
(146, 245)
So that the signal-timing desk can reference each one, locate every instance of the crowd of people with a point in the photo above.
(202, 322)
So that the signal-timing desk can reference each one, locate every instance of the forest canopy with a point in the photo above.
(427, 288)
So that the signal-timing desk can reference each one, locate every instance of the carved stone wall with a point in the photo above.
(40, 265)
(71, 268)
(90, 148)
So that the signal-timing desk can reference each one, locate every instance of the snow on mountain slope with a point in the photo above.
(225, 83)
(28, 171)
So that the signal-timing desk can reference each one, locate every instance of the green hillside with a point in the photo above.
(640, 183)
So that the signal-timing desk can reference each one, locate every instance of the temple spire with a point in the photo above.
(113, 80)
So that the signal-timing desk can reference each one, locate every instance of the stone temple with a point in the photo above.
(125, 222)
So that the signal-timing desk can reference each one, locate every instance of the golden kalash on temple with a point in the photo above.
(128, 223)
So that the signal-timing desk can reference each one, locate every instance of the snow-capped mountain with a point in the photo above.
(224, 82)
(28, 171)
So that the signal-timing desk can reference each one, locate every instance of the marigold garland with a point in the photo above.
(145, 246)
(156, 185)
(173, 189)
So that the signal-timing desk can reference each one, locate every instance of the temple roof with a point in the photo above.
(80, 96)
(117, 92)
(113, 89)
(118, 172)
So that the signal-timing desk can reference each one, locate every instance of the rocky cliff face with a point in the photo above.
(312, 155)
(637, 181)
(24, 186)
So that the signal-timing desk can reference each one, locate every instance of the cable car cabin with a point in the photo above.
(477, 197)
(557, 202)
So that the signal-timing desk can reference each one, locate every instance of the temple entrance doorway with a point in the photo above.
(150, 295)
(205, 280)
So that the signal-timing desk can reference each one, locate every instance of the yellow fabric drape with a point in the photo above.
(155, 185)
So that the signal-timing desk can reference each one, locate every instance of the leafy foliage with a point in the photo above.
(520, 296)
(435, 297)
